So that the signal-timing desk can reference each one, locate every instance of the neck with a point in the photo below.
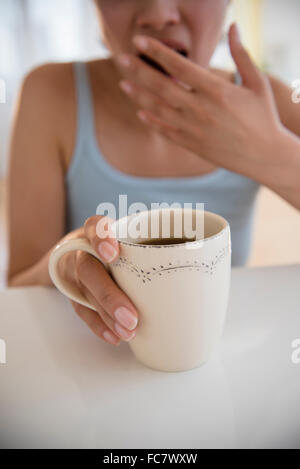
(123, 103)
(113, 78)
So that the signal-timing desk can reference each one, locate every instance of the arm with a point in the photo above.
(36, 211)
(286, 180)
(234, 127)
(38, 274)
(35, 198)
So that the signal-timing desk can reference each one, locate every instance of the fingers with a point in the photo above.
(98, 231)
(147, 101)
(250, 73)
(115, 317)
(112, 304)
(201, 81)
(114, 326)
(96, 324)
(198, 78)
(155, 81)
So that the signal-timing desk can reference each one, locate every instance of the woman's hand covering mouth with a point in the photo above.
(156, 65)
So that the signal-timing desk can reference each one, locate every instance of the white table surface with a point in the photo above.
(63, 387)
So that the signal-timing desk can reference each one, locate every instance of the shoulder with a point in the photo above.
(45, 107)
(289, 111)
(54, 82)
(50, 77)
(47, 85)
(48, 97)
(45, 91)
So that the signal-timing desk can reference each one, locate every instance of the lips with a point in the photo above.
(175, 45)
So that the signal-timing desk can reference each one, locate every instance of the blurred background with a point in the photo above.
(33, 32)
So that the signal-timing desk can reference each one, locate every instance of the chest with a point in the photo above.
(127, 147)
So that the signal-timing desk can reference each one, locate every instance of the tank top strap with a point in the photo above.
(85, 117)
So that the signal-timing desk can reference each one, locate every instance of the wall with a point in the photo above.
(33, 32)
(281, 38)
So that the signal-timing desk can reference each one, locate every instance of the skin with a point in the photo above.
(44, 132)
(197, 24)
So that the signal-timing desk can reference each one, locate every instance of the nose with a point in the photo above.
(157, 14)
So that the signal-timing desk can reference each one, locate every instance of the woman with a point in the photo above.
(77, 141)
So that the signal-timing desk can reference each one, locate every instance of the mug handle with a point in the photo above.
(64, 287)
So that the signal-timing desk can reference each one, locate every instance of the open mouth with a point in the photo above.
(157, 66)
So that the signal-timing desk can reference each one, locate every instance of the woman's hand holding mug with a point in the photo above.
(115, 318)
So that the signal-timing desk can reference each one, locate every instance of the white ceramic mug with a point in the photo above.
(181, 291)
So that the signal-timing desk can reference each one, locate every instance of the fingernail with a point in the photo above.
(125, 86)
(123, 60)
(126, 317)
(107, 251)
(111, 338)
(141, 42)
(141, 115)
(126, 335)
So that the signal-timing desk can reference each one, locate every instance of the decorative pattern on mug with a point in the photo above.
(208, 267)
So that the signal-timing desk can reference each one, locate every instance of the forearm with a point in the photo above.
(277, 166)
(284, 174)
(38, 273)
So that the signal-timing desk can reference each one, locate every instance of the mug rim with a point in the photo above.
(205, 239)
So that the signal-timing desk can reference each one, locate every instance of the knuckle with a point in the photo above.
(197, 111)
(168, 113)
(157, 108)
(97, 328)
(83, 262)
(103, 229)
(177, 68)
(178, 131)
(208, 115)
(221, 95)
(162, 86)
(181, 132)
(89, 226)
(91, 221)
(107, 297)
(177, 105)
(136, 93)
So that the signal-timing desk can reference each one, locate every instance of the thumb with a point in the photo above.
(251, 75)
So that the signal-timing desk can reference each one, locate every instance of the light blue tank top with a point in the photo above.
(91, 180)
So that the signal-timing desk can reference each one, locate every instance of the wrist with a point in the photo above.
(284, 162)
